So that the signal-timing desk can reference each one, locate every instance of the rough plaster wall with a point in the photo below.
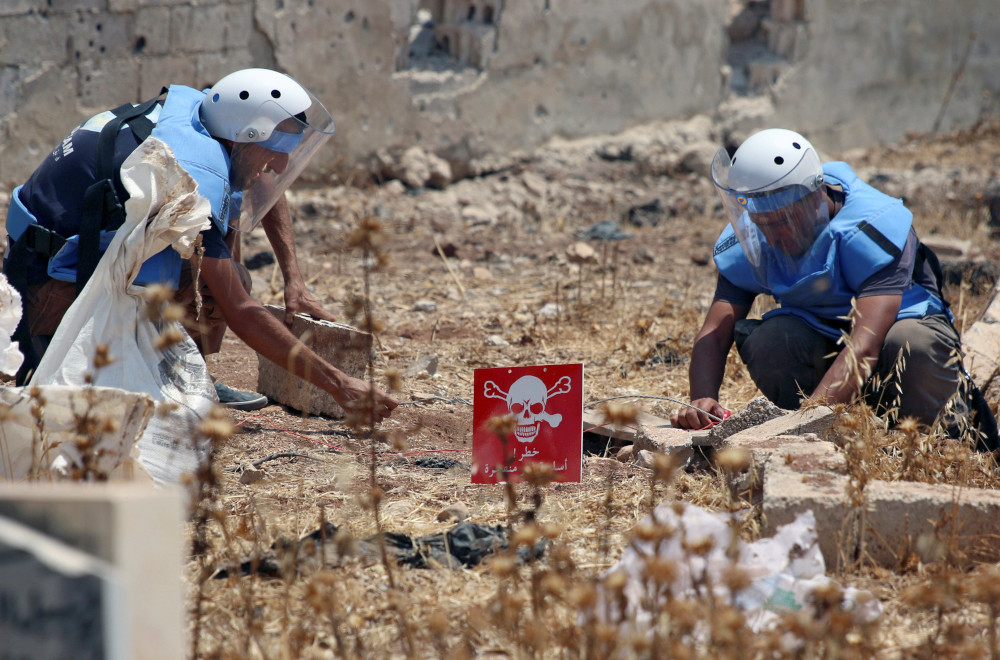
(854, 71)
(557, 67)
(872, 71)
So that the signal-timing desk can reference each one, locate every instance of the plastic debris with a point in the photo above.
(784, 570)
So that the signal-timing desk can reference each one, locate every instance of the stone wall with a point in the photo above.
(497, 76)
(470, 80)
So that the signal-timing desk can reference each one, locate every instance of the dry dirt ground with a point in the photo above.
(493, 256)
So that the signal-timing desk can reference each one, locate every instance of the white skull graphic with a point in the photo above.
(526, 400)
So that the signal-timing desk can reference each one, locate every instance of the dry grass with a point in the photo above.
(630, 317)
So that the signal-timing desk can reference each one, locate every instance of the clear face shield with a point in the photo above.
(261, 171)
(777, 223)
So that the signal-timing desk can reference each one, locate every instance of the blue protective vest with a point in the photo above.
(202, 156)
(866, 235)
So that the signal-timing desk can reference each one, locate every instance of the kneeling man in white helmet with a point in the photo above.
(861, 313)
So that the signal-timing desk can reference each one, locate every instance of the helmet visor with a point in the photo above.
(261, 171)
(777, 224)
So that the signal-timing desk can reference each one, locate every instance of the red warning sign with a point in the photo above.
(525, 415)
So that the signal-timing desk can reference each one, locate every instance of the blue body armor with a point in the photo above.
(866, 235)
(178, 125)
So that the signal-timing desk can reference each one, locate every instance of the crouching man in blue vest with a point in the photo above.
(243, 141)
(861, 310)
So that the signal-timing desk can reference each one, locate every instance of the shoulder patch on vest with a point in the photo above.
(722, 246)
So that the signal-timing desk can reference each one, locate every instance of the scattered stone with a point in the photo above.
(649, 214)
(581, 253)
(549, 311)
(534, 183)
(624, 455)
(496, 340)
(252, 475)
(482, 273)
(394, 187)
(457, 512)
(607, 230)
(424, 306)
(425, 366)
(644, 458)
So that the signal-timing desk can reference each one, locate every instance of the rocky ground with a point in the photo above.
(595, 251)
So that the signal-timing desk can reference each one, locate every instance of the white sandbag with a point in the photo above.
(10, 315)
(164, 208)
(51, 431)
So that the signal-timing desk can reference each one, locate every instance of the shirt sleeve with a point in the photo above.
(214, 243)
(894, 279)
(726, 291)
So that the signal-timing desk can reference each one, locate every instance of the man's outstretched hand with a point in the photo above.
(689, 418)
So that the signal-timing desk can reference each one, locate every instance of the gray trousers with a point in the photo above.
(787, 359)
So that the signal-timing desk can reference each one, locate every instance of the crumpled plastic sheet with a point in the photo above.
(784, 570)
(10, 315)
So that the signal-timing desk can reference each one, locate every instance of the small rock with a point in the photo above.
(549, 311)
(644, 459)
(535, 184)
(624, 455)
(580, 253)
(252, 475)
(482, 273)
(424, 306)
(394, 187)
(457, 512)
(425, 365)
(496, 340)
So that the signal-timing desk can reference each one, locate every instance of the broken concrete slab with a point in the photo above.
(816, 420)
(594, 422)
(341, 345)
(136, 529)
(900, 518)
(981, 345)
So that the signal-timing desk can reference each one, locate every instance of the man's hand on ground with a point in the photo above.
(361, 398)
(689, 418)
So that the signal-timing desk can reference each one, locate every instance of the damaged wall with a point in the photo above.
(512, 74)
(473, 79)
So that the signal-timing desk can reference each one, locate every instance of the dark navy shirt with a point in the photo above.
(55, 191)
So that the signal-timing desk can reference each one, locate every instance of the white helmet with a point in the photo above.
(276, 125)
(768, 189)
(772, 159)
(245, 106)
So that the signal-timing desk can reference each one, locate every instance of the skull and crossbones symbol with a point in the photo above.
(527, 400)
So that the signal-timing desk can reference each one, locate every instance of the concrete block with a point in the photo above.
(981, 345)
(152, 27)
(157, 72)
(100, 81)
(138, 530)
(195, 28)
(816, 420)
(674, 442)
(100, 35)
(803, 476)
(342, 346)
(910, 517)
(593, 422)
(58, 602)
(901, 518)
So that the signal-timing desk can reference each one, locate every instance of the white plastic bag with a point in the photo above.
(10, 315)
(164, 208)
(784, 570)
